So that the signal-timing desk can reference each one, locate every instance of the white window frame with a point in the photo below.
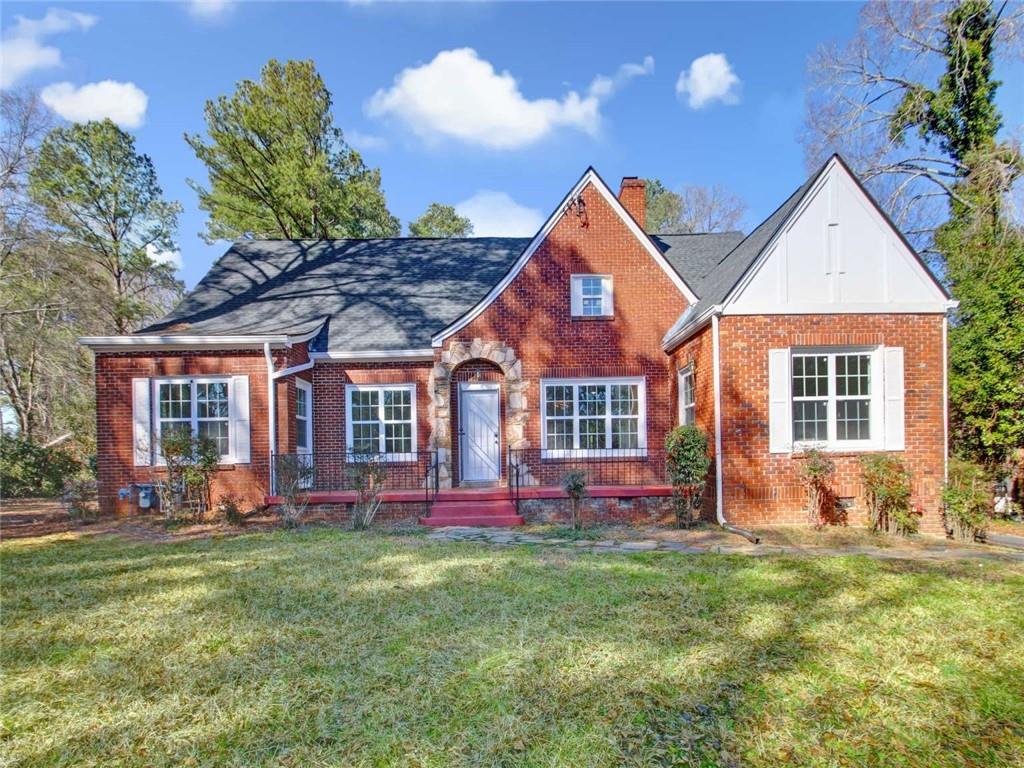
(301, 385)
(577, 298)
(394, 457)
(158, 459)
(576, 452)
(876, 398)
(686, 372)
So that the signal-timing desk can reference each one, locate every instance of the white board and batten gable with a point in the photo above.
(589, 178)
(836, 253)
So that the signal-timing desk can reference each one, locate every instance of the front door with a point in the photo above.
(480, 414)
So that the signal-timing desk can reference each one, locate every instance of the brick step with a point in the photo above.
(481, 494)
(478, 508)
(477, 521)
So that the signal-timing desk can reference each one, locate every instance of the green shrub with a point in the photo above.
(29, 469)
(887, 487)
(687, 464)
(574, 483)
(817, 472)
(367, 475)
(229, 509)
(967, 499)
(191, 463)
(79, 499)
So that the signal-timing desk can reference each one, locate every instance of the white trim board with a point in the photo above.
(589, 177)
(375, 355)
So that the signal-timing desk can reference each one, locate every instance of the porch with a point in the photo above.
(527, 475)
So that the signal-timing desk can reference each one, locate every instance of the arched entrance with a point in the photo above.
(473, 411)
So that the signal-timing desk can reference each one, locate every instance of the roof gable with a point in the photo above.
(589, 178)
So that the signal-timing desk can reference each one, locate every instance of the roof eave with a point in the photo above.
(673, 340)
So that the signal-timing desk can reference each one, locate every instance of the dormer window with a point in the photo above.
(592, 296)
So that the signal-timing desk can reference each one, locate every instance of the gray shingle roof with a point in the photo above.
(373, 294)
(693, 256)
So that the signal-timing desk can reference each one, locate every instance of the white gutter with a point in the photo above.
(717, 365)
(271, 403)
(690, 328)
(182, 342)
(375, 355)
(294, 369)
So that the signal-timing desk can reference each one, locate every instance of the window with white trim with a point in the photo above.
(197, 406)
(303, 416)
(687, 397)
(591, 295)
(593, 417)
(381, 419)
(835, 397)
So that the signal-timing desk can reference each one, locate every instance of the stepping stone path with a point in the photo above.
(511, 536)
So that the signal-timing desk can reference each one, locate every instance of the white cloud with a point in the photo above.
(709, 79)
(461, 96)
(124, 103)
(366, 142)
(164, 257)
(210, 9)
(496, 214)
(21, 51)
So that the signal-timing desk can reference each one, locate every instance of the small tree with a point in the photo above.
(441, 221)
(293, 475)
(817, 473)
(574, 483)
(191, 461)
(887, 487)
(367, 475)
(687, 462)
(967, 498)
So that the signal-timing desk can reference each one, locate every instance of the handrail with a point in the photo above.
(431, 483)
(514, 480)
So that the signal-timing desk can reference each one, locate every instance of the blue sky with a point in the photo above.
(737, 123)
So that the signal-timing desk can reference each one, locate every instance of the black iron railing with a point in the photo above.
(339, 470)
(431, 483)
(627, 467)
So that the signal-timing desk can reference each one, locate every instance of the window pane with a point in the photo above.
(592, 400)
(591, 307)
(810, 375)
(397, 405)
(366, 437)
(853, 420)
(216, 431)
(398, 438)
(625, 433)
(591, 286)
(364, 404)
(212, 400)
(810, 420)
(175, 401)
(625, 400)
(301, 436)
(300, 403)
(853, 375)
(559, 401)
(168, 428)
(592, 434)
(559, 434)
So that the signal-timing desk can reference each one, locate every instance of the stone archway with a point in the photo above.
(439, 385)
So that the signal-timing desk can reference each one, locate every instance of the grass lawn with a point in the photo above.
(321, 647)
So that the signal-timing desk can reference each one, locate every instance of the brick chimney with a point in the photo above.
(633, 196)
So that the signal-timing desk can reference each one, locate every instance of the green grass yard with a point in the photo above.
(321, 647)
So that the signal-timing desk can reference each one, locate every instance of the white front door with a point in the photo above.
(480, 414)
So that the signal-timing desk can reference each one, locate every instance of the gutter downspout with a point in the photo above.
(945, 398)
(719, 501)
(271, 403)
(294, 369)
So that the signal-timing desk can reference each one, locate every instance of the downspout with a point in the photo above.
(271, 404)
(719, 501)
(945, 399)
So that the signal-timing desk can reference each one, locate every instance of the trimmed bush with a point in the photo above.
(817, 473)
(29, 469)
(887, 487)
(574, 483)
(967, 500)
(687, 463)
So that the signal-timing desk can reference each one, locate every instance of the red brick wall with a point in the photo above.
(761, 487)
(114, 430)
(533, 315)
(699, 351)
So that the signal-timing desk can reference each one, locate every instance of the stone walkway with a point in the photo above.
(511, 537)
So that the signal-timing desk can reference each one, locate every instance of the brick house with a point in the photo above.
(480, 369)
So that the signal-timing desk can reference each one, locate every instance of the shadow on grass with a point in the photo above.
(322, 646)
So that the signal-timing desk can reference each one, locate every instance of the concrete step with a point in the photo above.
(477, 521)
(477, 494)
(478, 508)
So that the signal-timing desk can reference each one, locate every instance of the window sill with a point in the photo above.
(592, 318)
(387, 458)
(801, 451)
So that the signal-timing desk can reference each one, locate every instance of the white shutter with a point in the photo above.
(141, 422)
(240, 449)
(780, 416)
(894, 398)
(576, 302)
(607, 307)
